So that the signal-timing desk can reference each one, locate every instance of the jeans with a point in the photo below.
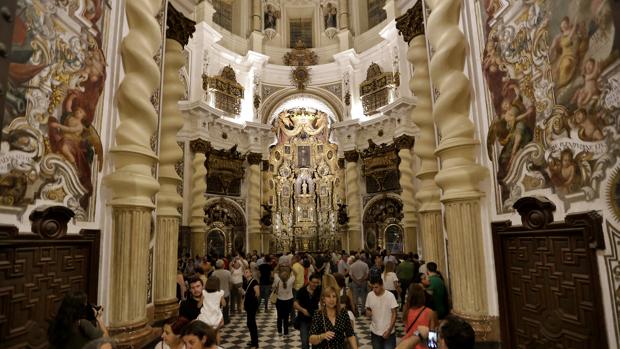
(284, 311)
(378, 342)
(236, 298)
(304, 332)
(359, 292)
(251, 322)
(265, 292)
(225, 310)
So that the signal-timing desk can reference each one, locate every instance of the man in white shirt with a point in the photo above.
(381, 307)
(359, 281)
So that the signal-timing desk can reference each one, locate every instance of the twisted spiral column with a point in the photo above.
(354, 209)
(411, 27)
(197, 223)
(254, 192)
(131, 182)
(459, 175)
(405, 167)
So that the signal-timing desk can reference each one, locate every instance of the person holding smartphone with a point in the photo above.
(453, 333)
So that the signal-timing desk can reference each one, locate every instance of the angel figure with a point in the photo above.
(589, 91)
(566, 174)
(587, 129)
(77, 141)
(566, 50)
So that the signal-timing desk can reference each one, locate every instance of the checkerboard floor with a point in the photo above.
(236, 334)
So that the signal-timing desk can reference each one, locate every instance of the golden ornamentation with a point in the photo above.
(374, 91)
(227, 91)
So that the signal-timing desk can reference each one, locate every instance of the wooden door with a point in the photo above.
(547, 279)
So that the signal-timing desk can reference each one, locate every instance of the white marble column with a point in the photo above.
(131, 183)
(354, 204)
(410, 219)
(197, 224)
(254, 193)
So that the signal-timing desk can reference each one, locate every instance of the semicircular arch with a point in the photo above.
(278, 98)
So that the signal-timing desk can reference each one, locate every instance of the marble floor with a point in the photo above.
(236, 335)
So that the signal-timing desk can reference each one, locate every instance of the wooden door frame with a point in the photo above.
(537, 217)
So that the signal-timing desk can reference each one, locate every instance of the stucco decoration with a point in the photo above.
(553, 71)
(51, 148)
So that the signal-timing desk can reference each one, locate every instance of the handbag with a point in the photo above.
(274, 294)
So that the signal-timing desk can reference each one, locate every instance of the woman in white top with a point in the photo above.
(212, 301)
(390, 280)
(283, 285)
(236, 278)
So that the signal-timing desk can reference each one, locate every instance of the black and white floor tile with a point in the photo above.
(236, 335)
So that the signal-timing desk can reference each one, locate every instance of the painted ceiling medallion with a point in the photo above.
(300, 77)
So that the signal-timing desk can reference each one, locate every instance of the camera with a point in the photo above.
(91, 311)
(432, 340)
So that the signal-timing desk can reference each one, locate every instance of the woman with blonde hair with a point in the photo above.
(390, 280)
(331, 326)
(283, 285)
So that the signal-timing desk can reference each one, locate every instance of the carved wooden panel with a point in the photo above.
(35, 274)
(550, 295)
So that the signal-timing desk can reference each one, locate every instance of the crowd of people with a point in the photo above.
(320, 295)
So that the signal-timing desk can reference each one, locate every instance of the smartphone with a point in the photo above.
(432, 340)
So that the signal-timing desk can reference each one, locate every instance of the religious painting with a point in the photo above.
(57, 73)
(223, 14)
(300, 31)
(303, 156)
(553, 72)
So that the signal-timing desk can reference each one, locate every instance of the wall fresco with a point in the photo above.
(553, 72)
(51, 148)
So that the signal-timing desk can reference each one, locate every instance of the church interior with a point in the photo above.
(482, 135)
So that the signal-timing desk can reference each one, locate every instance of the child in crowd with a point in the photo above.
(212, 301)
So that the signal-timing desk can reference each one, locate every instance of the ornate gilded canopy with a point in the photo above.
(227, 92)
(374, 91)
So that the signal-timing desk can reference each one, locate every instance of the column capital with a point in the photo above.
(180, 28)
(411, 24)
(351, 155)
(255, 158)
(404, 142)
(200, 146)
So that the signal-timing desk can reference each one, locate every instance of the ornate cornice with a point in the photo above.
(351, 155)
(255, 158)
(180, 28)
(411, 24)
(404, 142)
(200, 146)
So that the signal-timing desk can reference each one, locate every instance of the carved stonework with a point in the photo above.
(341, 163)
(404, 142)
(180, 28)
(380, 167)
(411, 24)
(300, 77)
(265, 165)
(200, 146)
(374, 91)
(225, 171)
(351, 156)
(227, 92)
(51, 221)
(255, 158)
(300, 56)
(612, 262)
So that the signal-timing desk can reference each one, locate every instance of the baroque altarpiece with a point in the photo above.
(306, 185)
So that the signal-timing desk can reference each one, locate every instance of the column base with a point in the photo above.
(254, 242)
(487, 327)
(135, 335)
(165, 309)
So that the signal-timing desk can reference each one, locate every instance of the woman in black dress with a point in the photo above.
(250, 304)
(331, 327)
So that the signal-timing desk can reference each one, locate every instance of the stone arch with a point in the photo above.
(271, 104)
(381, 212)
(229, 217)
